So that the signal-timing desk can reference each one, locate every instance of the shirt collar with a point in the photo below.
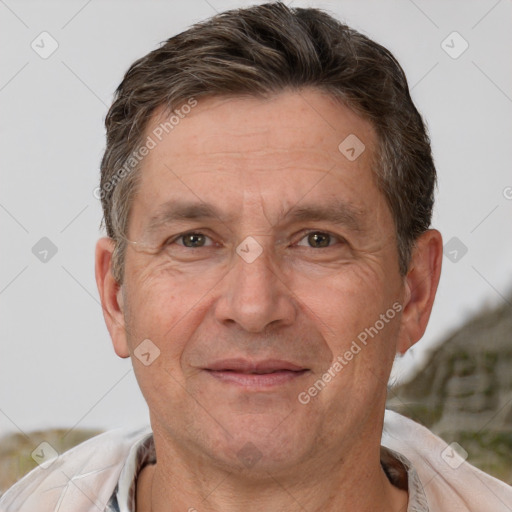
(143, 453)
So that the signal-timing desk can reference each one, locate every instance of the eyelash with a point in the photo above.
(304, 235)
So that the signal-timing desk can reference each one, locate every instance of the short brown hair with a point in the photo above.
(263, 50)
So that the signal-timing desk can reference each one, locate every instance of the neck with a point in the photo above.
(178, 483)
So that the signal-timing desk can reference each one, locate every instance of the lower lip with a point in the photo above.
(257, 380)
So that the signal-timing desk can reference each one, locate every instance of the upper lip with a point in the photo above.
(250, 366)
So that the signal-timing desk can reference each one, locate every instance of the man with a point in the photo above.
(267, 190)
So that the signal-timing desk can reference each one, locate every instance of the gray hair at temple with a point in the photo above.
(260, 51)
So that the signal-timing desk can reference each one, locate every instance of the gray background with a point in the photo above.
(57, 367)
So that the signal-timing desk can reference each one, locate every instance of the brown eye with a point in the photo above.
(317, 240)
(193, 240)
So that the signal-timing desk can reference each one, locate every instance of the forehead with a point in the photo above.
(234, 150)
(301, 123)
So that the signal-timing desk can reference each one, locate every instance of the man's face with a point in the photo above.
(263, 253)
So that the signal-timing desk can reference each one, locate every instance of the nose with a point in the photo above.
(254, 295)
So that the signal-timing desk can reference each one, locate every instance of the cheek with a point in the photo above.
(154, 309)
(168, 307)
(347, 309)
(162, 296)
(345, 300)
(160, 321)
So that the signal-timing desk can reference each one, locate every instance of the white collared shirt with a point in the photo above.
(101, 474)
(143, 453)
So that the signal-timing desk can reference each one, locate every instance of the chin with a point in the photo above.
(259, 444)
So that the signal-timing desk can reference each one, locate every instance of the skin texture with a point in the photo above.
(220, 445)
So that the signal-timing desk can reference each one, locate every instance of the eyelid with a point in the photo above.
(299, 237)
(173, 239)
(306, 233)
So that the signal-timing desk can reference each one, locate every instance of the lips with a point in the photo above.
(254, 367)
(255, 374)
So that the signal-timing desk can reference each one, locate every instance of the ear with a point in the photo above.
(111, 296)
(420, 288)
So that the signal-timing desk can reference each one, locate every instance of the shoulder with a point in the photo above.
(80, 478)
(449, 482)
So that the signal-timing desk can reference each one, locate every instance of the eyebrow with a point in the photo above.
(178, 210)
(338, 212)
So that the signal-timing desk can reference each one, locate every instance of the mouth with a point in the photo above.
(255, 374)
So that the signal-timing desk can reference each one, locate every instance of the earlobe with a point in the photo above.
(111, 296)
(420, 288)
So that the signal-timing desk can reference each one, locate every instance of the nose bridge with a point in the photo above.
(253, 269)
(254, 295)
